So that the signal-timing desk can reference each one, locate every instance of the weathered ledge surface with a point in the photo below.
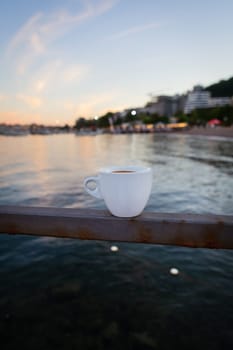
(190, 230)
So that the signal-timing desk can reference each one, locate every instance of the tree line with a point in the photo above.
(196, 117)
(202, 116)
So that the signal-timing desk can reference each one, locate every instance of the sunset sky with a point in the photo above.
(63, 59)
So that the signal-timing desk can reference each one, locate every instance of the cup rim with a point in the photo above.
(136, 170)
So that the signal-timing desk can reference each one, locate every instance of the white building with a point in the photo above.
(197, 98)
(200, 98)
(220, 101)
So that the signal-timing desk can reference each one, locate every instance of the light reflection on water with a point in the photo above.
(190, 174)
(102, 295)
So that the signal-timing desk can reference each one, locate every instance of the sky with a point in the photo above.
(65, 59)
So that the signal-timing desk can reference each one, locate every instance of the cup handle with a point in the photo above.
(95, 192)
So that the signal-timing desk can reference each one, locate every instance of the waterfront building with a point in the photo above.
(220, 101)
(200, 98)
(197, 98)
(165, 105)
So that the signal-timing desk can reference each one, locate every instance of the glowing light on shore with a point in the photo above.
(133, 112)
(114, 248)
(174, 271)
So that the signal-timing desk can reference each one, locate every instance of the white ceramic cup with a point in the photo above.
(125, 190)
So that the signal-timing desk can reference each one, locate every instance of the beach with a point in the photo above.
(208, 131)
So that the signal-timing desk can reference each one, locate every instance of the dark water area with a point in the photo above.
(70, 294)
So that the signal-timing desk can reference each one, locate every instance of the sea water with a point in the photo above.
(66, 294)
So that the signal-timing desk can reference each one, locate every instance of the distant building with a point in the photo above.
(197, 98)
(166, 105)
(14, 130)
(180, 102)
(200, 98)
(169, 106)
(220, 101)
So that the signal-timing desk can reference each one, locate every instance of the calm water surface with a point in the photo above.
(69, 294)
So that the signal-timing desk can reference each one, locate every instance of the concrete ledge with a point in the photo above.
(190, 230)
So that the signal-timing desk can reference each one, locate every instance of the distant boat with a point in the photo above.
(88, 132)
(14, 132)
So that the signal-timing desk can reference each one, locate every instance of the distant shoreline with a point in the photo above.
(207, 131)
(218, 131)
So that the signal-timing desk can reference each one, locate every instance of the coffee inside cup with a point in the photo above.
(122, 171)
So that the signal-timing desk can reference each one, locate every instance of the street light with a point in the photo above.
(133, 112)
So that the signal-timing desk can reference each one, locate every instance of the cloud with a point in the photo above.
(134, 30)
(23, 36)
(36, 36)
(90, 105)
(31, 101)
(15, 117)
(3, 97)
(46, 75)
(75, 72)
(95, 104)
(57, 73)
(40, 85)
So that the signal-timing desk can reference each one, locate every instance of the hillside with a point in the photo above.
(222, 88)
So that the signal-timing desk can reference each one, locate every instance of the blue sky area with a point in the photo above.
(64, 59)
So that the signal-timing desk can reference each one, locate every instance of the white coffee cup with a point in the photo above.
(125, 190)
